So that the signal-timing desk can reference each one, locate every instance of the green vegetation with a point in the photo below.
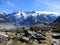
(55, 27)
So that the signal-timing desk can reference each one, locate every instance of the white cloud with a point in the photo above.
(10, 3)
(54, 6)
(50, 5)
(7, 2)
(46, 12)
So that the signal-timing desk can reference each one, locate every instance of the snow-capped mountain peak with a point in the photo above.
(20, 13)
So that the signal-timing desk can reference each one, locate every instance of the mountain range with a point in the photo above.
(19, 18)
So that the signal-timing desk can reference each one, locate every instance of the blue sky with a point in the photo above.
(29, 5)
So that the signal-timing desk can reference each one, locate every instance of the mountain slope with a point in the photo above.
(3, 19)
(58, 19)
